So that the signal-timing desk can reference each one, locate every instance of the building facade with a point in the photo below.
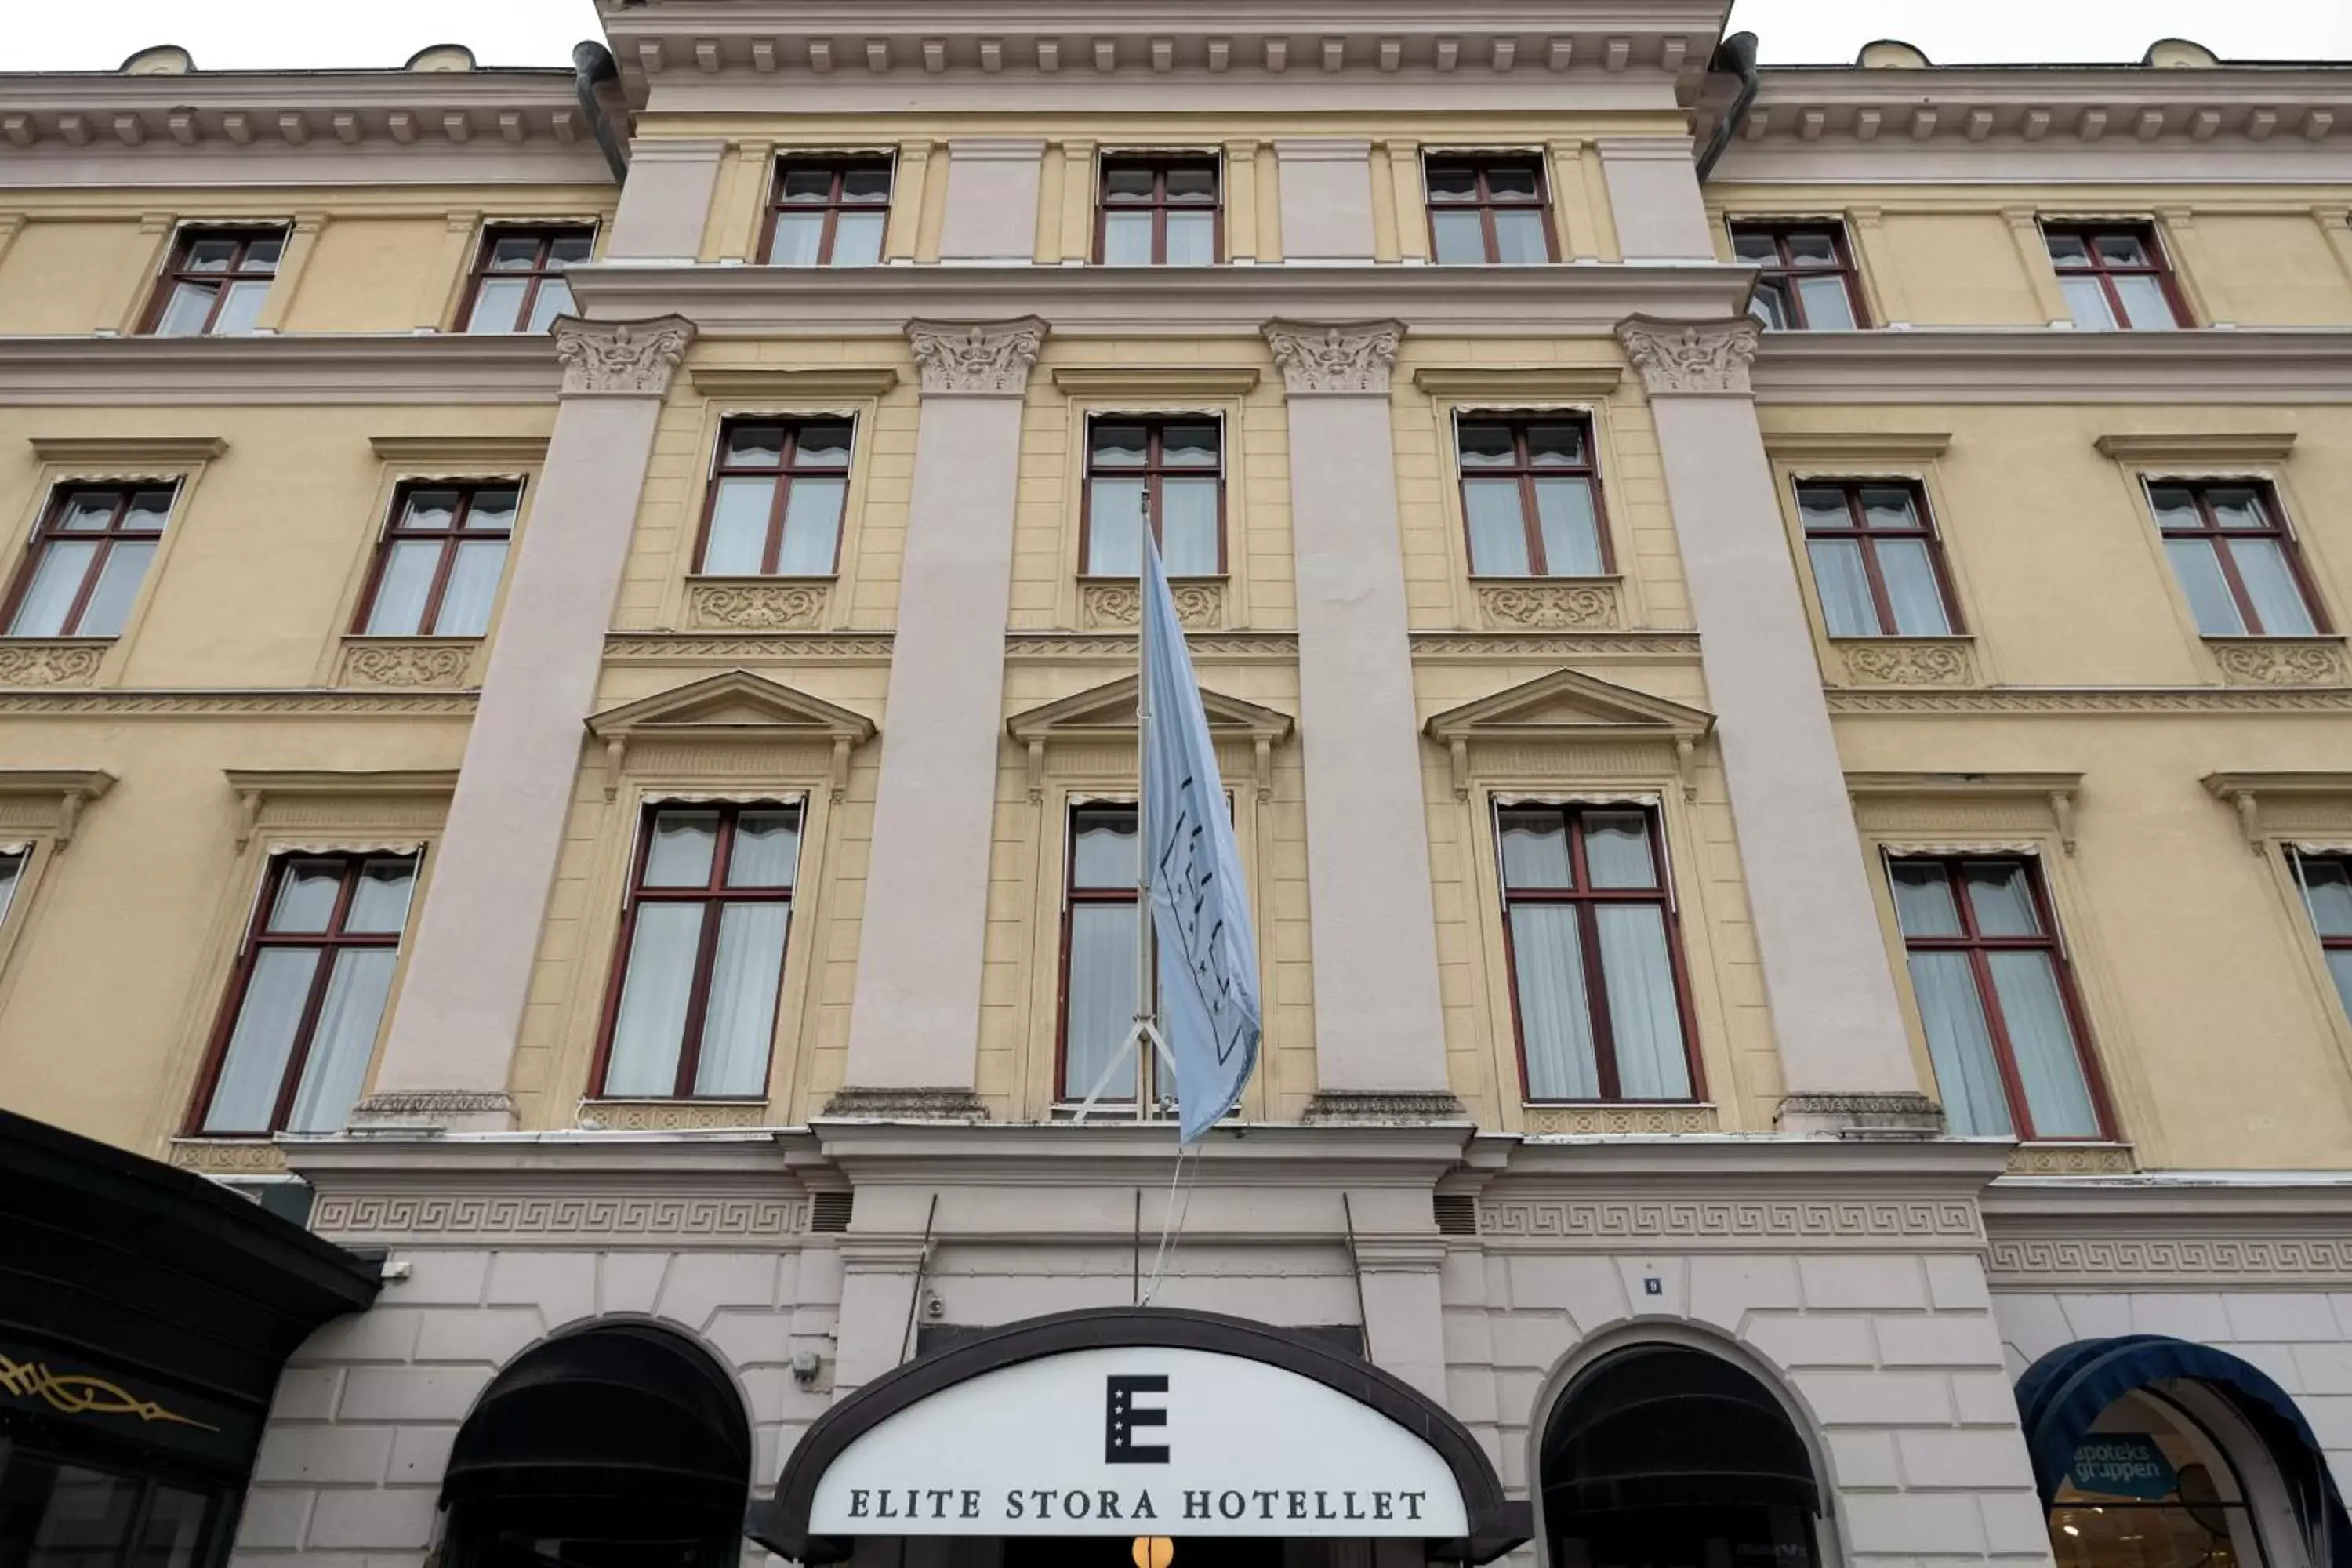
(567, 723)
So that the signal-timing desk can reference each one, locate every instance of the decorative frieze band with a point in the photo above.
(2095, 699)
(1199, 603)
(1335, 359)
(49, 661)
(568, 1217)
(1691, 357)
(976, 358)
(749, 606)
(2280, 661)
(620, 359)
(1908, 661)
(1549, 606)
(1614, 1224)
(2204, 1262)
(367, 662)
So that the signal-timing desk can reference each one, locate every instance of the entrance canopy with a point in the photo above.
(1140, 1421)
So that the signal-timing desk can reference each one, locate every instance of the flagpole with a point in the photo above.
(1143, 1031)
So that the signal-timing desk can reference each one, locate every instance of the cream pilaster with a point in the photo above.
(1380, 1030)
(2335, 223)
(2192, 267)
(914, 1022)
(1078, 182)
(746, 199)
(440, 285)
(907, 182)
(1579, 232)
(301, 244)
(1410, 199)
(1241, 200)
(461, 1002)
(1882, 272)
(2034, 255)
(1844, 1050)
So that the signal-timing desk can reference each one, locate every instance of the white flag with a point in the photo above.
(1200, 905)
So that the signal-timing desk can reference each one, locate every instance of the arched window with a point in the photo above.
(2150, 1486)
(622, 1444)
(1662, 1457)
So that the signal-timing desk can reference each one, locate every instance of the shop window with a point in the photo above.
(1996, 997)
(57, 1512)
(827, 213)
(1098, 914)
(1597, 984)
(1531, 496)
(1877, 563)
(1806, 280)
(309, 997)
(1159, 212)
(2114, 276)
(89, 553)
(2149, 1488)
(438, 568)
(778, 489)
(519, 284)
(2235, 557)
(215, 281)
(2325, 879)
(693, 1011)
(1168, 472)
(1486, 211)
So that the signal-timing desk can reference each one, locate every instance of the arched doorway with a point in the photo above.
(2152, 1452)
(1666, 1457)
(620, 1444)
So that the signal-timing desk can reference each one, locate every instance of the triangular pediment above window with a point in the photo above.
(735, 705)
(1568, 705)
(1107, 712)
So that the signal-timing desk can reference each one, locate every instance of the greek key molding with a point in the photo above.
(1336, 358)
(1691, 357)
(52, 661)
(2199, 1261)
(2093, 699)
(560, 1216)
(2280, 661)
(989, 359)
(1611, 1224)
(620, 359)
(357, 704)
(1549, 606)
(1198, 602)
(1595, 1121)
(819, 649)
(1903, 661)
(367, 662)
(749, 606)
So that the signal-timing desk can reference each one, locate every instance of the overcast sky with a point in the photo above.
(96, 35)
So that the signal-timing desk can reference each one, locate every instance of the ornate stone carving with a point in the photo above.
(1198, 603)
(405, 663)
(459, 1110)
(1590, 1120)
(1210, 647)
(2072, 1159)
(993, 358)
(238, 705)
(571, 1214)
(2094, 700)
(1548, 606)
(620, 358)
(906, 1105)
(48, 663)
(1691, 356)
(829, 648)
(2279, 661)
(1371, 1105)
(757, 606)
(223, 1157)
(1339, 357)
(1613, 1222)
(672, 1115)
(1864, 1116)
(1897, 661)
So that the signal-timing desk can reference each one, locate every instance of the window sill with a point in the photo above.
(1114, 601)
(1949, 660)
(758, 603)
(446, 662)
(51, 662)
(2090, 1157)
(1550, 604)
(1587, 1119)
(674, 1115)
(2316, 660)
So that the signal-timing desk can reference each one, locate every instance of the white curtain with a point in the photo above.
(741, 1019)
(344, 1039)
(1845, 588)
(2271, 584)
(246, 1095)
(1911, 590)
(1960, 1045)
(1643, 1019)
(1101, 1000)
(2048, 1063)
(473, 583)
(1555, 1014)
(651, 1023)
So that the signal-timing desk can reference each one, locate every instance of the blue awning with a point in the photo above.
(2063, 1393)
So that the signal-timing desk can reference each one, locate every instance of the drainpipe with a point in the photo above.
(593, 63)
(1737, 54)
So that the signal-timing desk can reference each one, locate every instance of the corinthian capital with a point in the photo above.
(986, 357)
(1691, 356)
(1341, 357)
(633, 359)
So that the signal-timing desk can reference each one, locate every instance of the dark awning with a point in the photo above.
(617, 1413)
(2063, 1393)
(1664, 1426)
(147, 1306)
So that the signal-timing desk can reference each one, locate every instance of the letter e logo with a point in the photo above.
(1122, 1415)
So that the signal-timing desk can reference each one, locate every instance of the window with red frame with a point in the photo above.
(1807, 280)
(2237, 562)
(1157, 212)
(308, 996)
(1488, 211)
(215, 281)
(1097, 986)
(1997, 1001)
(777, 493)
(519, 284)
(2115, 277)
(693, 1009)
(1876, 561)
(1531, 496)
(437, 570)
(828, 213)
(1171, 472)
(2325, 878)
(1597, 981)
(89, 553)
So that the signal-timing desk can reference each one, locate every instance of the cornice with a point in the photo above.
(127, 448)
(2285, 365)
(1193, 303)
(2197, 447)
(792, 386)
(306, 369)
(1062, 1154)
(460, 449)
(1857, 446)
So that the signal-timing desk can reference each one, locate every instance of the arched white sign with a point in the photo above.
(1148, 1440)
